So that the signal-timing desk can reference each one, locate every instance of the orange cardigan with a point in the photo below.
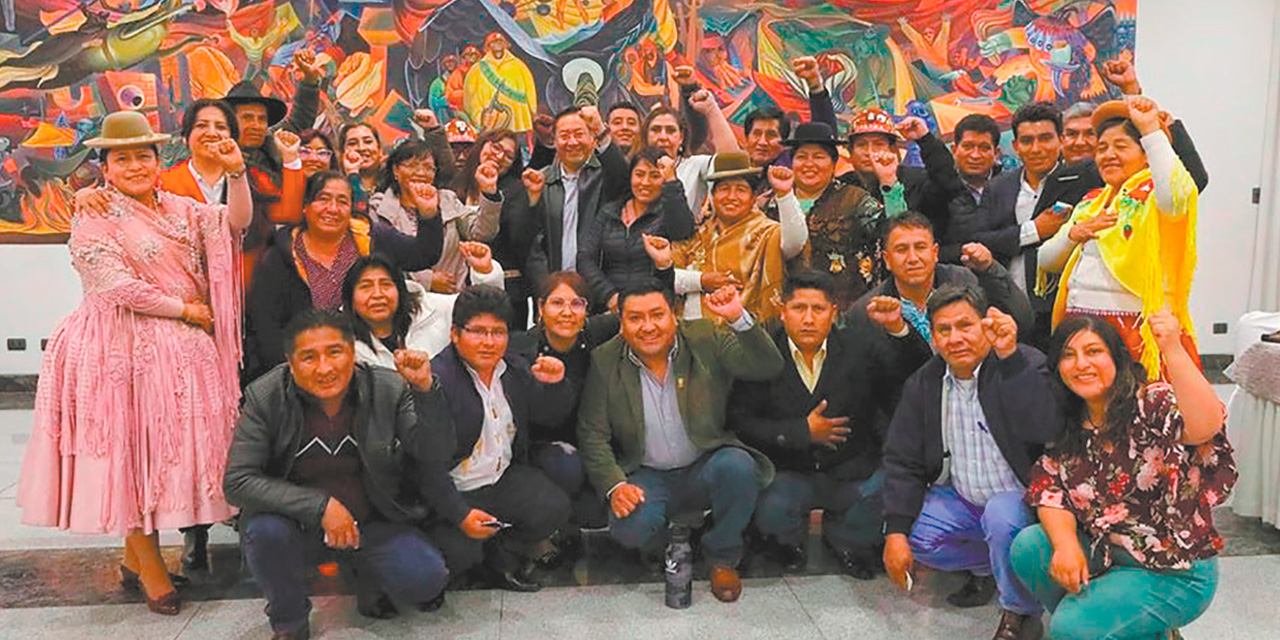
(287, 210)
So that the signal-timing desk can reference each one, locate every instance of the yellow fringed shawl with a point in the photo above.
(1142, 250)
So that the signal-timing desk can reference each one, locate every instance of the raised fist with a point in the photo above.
(782, 179)
(806, 68)
(913, 128)
(547, 370)
(289, 145)
(703, 102)
(487, 177)
(415, 368)
(534, 181)
(886, 311)
(1001, 331)
(426, 118)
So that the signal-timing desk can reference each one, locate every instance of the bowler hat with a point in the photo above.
(246, 92)
(818, 133)
(731, 164)
(126, 129)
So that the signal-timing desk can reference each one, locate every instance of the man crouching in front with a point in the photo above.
(651, 426)
(321, 455)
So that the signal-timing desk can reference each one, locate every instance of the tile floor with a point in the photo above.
(55, 585)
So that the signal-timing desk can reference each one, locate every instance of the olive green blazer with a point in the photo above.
(611, 432)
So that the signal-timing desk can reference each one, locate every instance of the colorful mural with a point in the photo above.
(64, 64)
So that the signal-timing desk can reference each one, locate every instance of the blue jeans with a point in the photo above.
(564, 469)
(953, 535)
(724, 480)
(1128, 601)
(396, 557)
(852, 509)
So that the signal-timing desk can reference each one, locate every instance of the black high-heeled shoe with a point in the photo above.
(169, 604)
(129, 580)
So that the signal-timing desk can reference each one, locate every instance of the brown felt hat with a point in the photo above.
(731, 164)
(1119, 109)
(126, 129)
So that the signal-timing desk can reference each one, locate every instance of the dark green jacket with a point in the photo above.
(709, 358)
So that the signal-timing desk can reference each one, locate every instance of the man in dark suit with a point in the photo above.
(817, 422)
(563, 199)
(1015, 222)
(500, 508)
(960, 448)
(976, 150)
(651, 426)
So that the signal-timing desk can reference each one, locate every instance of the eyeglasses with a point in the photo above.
(323, 154)
(558, 304)
(481, 333)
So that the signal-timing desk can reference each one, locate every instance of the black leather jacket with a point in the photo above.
(404, 468)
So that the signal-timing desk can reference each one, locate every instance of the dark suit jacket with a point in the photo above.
(1067, 183)
(1021, 408)
(708, 360)
(861, 373)
(529, 400)
(602, 179)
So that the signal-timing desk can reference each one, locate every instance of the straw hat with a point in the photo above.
(126, 129)
(731, 164)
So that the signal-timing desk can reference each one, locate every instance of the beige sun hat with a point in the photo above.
(126, 129)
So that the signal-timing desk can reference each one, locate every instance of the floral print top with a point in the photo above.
(1145, 492)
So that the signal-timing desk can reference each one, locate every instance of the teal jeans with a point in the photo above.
(1127, 601)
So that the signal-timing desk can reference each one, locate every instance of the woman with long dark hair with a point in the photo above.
(391, 312)
(511, 246)
(1126, 546)
(613, 256)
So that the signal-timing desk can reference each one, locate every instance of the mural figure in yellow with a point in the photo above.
(500, 91)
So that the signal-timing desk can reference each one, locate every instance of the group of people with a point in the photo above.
(330, 346)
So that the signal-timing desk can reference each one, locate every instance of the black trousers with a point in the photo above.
(524, 498)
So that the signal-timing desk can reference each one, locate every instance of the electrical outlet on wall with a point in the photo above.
(17, 344)
(1219, 328)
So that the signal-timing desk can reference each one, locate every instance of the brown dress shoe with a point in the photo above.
(726, 586)
(1015, 626)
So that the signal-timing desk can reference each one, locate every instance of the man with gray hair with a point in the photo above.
(1078, 137)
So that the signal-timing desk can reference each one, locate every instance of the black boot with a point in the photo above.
(195, 548)
(976, 592)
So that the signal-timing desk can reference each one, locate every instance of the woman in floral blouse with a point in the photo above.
(1126, 545)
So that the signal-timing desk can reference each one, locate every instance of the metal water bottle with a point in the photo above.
(679, 568)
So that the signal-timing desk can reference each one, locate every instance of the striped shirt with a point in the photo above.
(978, 468)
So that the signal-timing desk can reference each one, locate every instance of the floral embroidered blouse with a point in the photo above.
(1148, 493)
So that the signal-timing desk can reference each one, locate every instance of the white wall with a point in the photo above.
(1208, 63)
(37, 288)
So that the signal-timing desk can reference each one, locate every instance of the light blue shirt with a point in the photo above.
(978, 468)
(666, 440)
(569, 216)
